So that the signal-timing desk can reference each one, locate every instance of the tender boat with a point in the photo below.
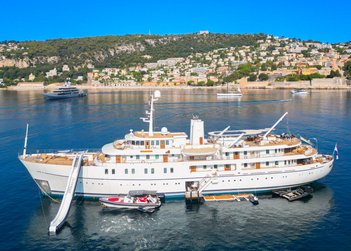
(253, 199)
(67, 91)
(299, 91)
(145, 201)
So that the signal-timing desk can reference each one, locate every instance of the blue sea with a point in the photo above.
(320, 223)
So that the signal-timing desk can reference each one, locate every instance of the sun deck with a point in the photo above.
(54, 159)
(272, 142)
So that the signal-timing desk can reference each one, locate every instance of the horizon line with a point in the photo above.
(162, 34)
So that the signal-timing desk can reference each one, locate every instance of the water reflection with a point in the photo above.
(232, 224)
(100, 118)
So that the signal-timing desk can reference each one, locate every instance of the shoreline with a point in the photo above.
(117, 88)
(320, 84)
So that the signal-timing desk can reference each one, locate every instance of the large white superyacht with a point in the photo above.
(227, 161)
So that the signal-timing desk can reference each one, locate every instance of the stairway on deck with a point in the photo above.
(65, 206)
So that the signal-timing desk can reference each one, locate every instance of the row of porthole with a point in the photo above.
(146, 170)
(178, 183)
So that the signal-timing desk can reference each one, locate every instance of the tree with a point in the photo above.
(263, 77)
(334, 74)
(190, 82)
(210, 82)
(252, 77)
(292, 78)
(347, 69)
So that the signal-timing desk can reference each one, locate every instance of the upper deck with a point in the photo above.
(158, 135)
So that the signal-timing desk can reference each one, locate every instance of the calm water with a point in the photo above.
(321, 223)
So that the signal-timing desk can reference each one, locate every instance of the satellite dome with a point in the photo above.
(164, 130)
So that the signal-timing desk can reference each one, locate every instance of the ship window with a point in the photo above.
(133, 171)
(125, 171)
(145, 170)
(267, 151)
(245, 164)
(167, 142)
(152, 170)
(157, 142)
(133, 142)
(276, 150)
(172, 169)
(147, 156)
(215, 166)
(152, 142)
(137, 143)
(165, 170)
(227, 154)
(106, 171)
(245, 152)
(267, 163)
(284, 162)
(205, 167)
(137, 156)
(276, 163)
(157, 156)
(131, 156)
(141, 143)
(113, 171)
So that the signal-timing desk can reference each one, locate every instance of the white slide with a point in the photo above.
(65, 206)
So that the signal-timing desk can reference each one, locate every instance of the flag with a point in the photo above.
(336, 152)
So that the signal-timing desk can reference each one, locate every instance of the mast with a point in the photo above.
(25, 143)
(150, 114)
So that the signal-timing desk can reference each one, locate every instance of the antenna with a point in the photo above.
(150, 114)
(25, 143)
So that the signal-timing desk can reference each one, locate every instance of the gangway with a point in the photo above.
(194, 194)
(65, 206)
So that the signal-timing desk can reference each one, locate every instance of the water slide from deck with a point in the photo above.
(65, 206)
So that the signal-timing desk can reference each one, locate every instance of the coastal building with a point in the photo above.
(51, 73)
(31, 77)
(204, 32)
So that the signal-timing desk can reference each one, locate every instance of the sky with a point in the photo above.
(326, 21)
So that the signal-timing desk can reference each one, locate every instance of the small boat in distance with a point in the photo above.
(142, 200)
(299, 91)
(67, 91)
(236, 93)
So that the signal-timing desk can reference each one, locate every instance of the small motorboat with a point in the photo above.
(142, 200)
(299, 91)
(253, 199)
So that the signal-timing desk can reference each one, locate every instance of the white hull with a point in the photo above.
(130, 206)
(229, 94)
(56, 96)
(94, 182)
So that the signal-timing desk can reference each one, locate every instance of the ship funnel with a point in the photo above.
(196, 131)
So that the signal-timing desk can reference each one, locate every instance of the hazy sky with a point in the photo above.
(327, 21)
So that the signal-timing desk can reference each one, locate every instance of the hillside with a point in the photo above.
(19, 59)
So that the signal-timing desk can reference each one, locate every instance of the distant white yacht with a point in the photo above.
(67, 91)
(230, 93)
(299, 91)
